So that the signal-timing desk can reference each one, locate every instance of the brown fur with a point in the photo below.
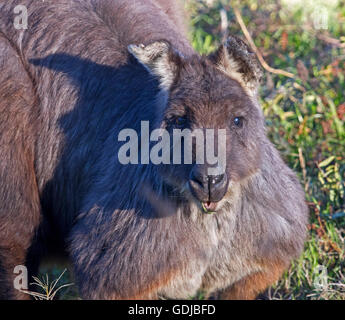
(249, 287)
(18, 188)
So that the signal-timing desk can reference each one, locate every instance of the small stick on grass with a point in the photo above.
(304, 170)
(256, 50)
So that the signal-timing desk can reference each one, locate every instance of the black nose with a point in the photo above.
(207, 187)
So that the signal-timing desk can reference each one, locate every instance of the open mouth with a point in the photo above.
(209, 207)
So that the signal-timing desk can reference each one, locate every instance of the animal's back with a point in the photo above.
(70, 85)
(75, 54)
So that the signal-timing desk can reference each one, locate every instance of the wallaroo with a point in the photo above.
(82, 72)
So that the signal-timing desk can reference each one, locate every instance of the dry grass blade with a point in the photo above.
(49, 289)
(256, 50)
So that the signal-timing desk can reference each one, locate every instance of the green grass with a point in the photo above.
(305, 119)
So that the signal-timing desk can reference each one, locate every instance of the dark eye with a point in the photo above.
(180, 121)
(238, 121)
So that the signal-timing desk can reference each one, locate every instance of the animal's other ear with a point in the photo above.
(160, 59)
(235, 58)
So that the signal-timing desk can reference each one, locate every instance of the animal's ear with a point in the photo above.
(160, 59)
(235, 58)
